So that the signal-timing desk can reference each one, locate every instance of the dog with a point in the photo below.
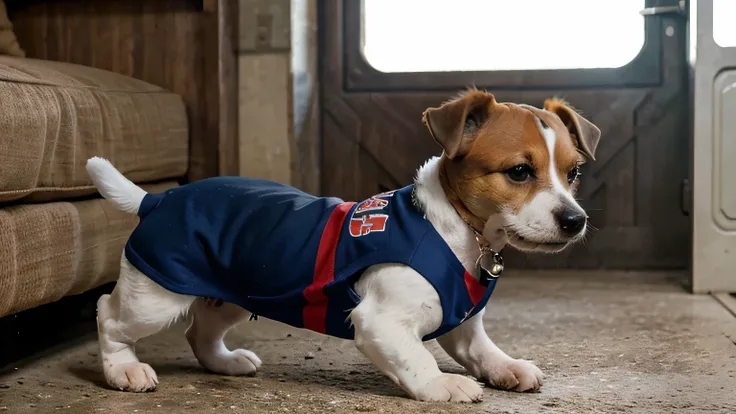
(390, 272)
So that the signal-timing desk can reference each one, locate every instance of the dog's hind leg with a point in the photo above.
(210, 322)
(137, 308)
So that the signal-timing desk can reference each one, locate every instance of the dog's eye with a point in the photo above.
(573, 175)
(519, 173)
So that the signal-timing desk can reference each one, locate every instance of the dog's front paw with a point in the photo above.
(515, 375)
(131, 376)
(240, 362)
(236, 362)
(451, 387)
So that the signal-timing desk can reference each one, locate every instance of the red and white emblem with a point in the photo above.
(362, 222)
(371, 204)
(360, 226)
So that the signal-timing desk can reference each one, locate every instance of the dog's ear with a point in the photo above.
(453, 125)
(583, 132)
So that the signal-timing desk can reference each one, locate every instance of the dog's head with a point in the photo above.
(515, 167)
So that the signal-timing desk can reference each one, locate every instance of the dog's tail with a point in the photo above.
(114, 186)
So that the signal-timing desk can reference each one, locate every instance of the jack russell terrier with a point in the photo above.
(390, 272)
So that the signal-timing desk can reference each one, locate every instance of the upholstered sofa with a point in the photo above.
(56, 237)
(152, 86)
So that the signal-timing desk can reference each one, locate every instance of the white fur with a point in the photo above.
(397, 309)
(114, 186)
(536, 221)
(137, 308)
(550, 139)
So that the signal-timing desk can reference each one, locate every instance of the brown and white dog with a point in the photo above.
(508, 172)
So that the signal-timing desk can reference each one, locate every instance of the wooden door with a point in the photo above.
(373, 138)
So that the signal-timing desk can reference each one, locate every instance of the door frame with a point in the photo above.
(713, 265)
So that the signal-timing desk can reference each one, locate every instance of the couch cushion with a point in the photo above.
(8, 42)
(51, 250)
(56, 115)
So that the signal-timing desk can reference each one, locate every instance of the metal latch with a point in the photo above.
(679, 10)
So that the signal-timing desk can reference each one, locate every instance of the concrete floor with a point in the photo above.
(608, 343)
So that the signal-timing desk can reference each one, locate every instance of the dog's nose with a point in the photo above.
(571, 221)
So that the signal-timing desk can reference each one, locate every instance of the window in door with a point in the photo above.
(482, 35)
(445, 45)
(724, 28)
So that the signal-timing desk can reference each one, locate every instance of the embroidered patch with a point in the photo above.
(367, 224)
(371, 204)
(362, 223)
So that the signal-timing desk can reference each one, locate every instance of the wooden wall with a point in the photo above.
(230, 60)
(186, 46)
(266, 148)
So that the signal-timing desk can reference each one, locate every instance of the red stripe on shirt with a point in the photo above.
(475, 289)
(315, 312)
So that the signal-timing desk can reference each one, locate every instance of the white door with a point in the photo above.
(714, 147)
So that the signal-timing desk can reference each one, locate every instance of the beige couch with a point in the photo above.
(57, 237)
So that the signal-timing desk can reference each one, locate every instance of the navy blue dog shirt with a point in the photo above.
(290, 256)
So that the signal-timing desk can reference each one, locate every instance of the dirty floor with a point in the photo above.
(608, 343)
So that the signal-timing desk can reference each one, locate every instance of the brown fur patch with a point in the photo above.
(476, 183)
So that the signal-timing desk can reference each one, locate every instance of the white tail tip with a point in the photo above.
(114, 186)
